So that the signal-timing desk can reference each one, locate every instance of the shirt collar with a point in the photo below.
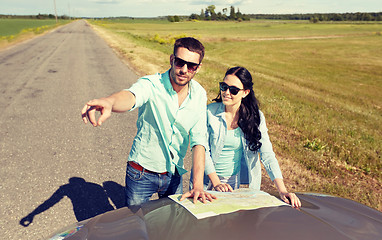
(166, 81)
(220, 112)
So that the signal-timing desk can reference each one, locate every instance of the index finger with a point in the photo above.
(185, 195)
(91, 115)
(84, 113)
(88, 112)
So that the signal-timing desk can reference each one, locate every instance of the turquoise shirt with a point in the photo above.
(229, 160)
(165, 130)
(250, 172)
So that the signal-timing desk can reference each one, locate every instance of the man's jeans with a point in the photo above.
(141, 185)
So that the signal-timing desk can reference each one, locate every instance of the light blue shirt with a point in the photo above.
(229, 160)
(250, 172)
(164, 129)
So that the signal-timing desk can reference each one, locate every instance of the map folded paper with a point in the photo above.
(227, 202)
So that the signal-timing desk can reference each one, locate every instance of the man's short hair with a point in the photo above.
(191, 44)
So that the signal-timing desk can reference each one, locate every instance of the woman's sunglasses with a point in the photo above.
(191, 67)
(232, 89)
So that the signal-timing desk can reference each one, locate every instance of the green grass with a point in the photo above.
(321, 82)
(16, 26)
(14, 30)
(242, 30)
(327, 89)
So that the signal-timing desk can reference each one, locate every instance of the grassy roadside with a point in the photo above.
(319, 88)
(13, 31)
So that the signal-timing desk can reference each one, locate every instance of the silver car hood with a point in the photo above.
(321, 217)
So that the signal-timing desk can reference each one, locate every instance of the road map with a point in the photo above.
(227, 202)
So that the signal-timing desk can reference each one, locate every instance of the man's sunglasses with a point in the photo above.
(232, 89)
(191, 67)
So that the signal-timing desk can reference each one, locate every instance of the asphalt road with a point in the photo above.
(55, 170)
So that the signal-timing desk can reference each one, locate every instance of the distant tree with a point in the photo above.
(337, 17)
(202, 14)
(366, 17)
(207, 14)
(239, 15)
(246, 17)
(225, 10)
(232, 14)
(194, 17)
(211, 10)
(313, 19)
(224, 16)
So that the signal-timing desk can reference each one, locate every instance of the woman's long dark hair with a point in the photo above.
(249, 115)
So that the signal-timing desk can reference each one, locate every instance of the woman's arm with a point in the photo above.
(286, 196)
(218, 186)
(271, 164)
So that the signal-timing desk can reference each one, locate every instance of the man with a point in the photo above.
(172, 115)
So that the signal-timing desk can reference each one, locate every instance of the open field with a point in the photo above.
(319, 86)
(16, 30)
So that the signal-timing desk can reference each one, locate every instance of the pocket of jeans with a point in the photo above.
(134, 174)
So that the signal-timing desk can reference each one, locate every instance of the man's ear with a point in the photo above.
(171, 59)
(200, 66)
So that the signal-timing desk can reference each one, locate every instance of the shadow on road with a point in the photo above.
(88, 199)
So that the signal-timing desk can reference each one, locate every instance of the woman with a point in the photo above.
(237, 136)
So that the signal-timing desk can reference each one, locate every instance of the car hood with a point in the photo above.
(321, 217)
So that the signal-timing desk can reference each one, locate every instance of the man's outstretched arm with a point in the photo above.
(118, 102)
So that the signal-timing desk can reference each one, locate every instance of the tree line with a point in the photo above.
(232, 14)
(210, 14)
(319, 17)
(38, 16)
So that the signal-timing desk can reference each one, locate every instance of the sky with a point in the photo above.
(155, 8)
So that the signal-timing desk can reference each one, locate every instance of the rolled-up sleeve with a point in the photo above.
(141, 91)
(209, 164)
(198, 133)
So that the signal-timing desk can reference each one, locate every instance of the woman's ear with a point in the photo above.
(246, 92)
